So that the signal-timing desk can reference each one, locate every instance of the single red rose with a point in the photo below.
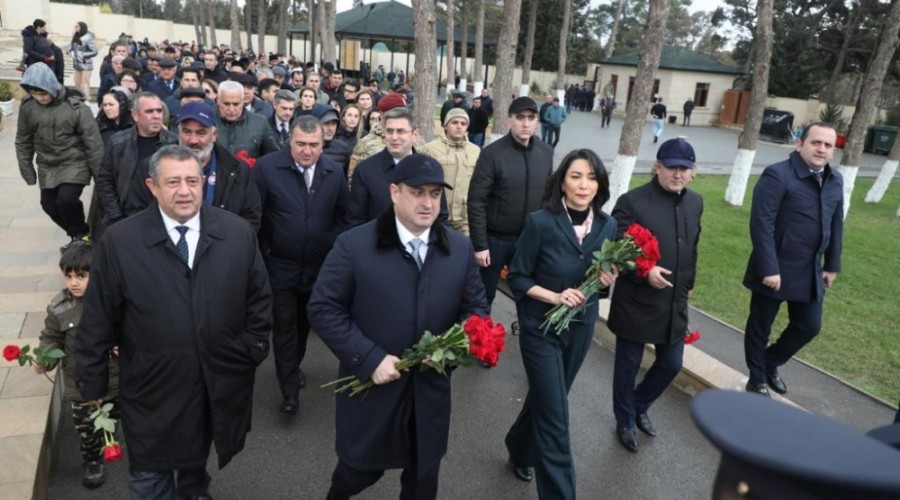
(692, 337)
(11, 352)
(112, 453)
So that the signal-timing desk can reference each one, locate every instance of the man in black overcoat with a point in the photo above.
(304, 199)
(796, 226)
(382, 286)
(181, 289)
(654, 309)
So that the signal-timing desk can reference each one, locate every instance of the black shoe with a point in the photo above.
(760, 389)
(776, 382)
(655, 139)
(290, 405)
(627, 438)
(645, 424)
(301, 382)
(93, 474)
(523, 473)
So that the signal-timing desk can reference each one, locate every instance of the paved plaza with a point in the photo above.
(292, 457)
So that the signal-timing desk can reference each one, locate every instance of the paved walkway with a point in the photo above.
(292, 457)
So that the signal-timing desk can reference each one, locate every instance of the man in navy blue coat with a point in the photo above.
(304, 207)
(796, 225)
(382, 286)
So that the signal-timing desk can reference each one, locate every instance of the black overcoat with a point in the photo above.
(371, 300)
(795, 226)
(189, 339)
(638, 311)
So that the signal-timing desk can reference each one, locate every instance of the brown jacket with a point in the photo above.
(458, 160)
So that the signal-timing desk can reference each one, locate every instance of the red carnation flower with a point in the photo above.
(691, 337)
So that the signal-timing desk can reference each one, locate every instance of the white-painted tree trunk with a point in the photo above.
(463, 83)
(523, 89)
(882, 182)
(740, 175)
(561, 95)
(849, 174)
(477, 85)
(619, 178)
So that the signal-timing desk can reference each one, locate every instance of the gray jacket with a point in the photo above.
(62, 137)
(83, 53)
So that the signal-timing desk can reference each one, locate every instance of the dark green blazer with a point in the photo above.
(548, 255)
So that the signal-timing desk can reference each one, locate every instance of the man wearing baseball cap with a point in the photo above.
(654, 309)
(458, 157)
(507, 185)
(228, 185)
(335, 148)
(397, 263)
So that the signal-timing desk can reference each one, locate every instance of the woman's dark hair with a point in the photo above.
(553, 193)
(132, 74)
(125, 119)
(77, 259)
(82, 30)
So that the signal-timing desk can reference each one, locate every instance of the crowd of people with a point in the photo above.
(241, 201)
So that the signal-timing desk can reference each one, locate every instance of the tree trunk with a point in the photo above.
(849, 32)
(261, 22)
(866, 107)
(506, 63)
(529, 43)
(211, 18)
(235, 27)
(314, 35)
(876, 193)
(464, 42)
(449, 53)
(762, 53)
(425, 82)
(639, 104)
(328, 38)
(248, 18)
(283, 7)
(563, 46)
(196, 20)
(611, 43)
(478, 77)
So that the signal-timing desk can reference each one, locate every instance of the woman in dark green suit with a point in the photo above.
(552, 255)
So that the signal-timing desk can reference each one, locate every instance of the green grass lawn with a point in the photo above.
(860, 338)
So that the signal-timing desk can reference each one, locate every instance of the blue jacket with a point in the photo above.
(371, 300)
(795, 226)
(160, 88)
(555, 115)
(298, 228)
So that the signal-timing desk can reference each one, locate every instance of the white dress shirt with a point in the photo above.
(406, 237)
(192, 236)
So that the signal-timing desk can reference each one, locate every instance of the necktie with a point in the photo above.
(284, 132)
(169, 84)
(307, 178)
(819, 177)
(181, 246)
(415, 244)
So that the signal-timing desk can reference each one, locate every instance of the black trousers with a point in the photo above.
(804, 323)
(63, 205)
(416, 482)
(290, 331)
(629, 400)
(605, 118)
(501, 251)
(553, 135)
(540, 435)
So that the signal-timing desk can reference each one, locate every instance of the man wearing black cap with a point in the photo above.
(507, 185)
(654, 309)
(796, 226)
(167, 83)
(397, 263)
(304, 201)
(457, 100)
(228, 185)
(336, 148)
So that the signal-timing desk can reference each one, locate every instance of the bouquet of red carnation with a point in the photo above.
(637, 250)
(477, 339)
(112, 451)
(244, 156)
(691, 336)
(37, 356)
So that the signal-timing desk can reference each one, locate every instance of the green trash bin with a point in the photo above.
(883, 138)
